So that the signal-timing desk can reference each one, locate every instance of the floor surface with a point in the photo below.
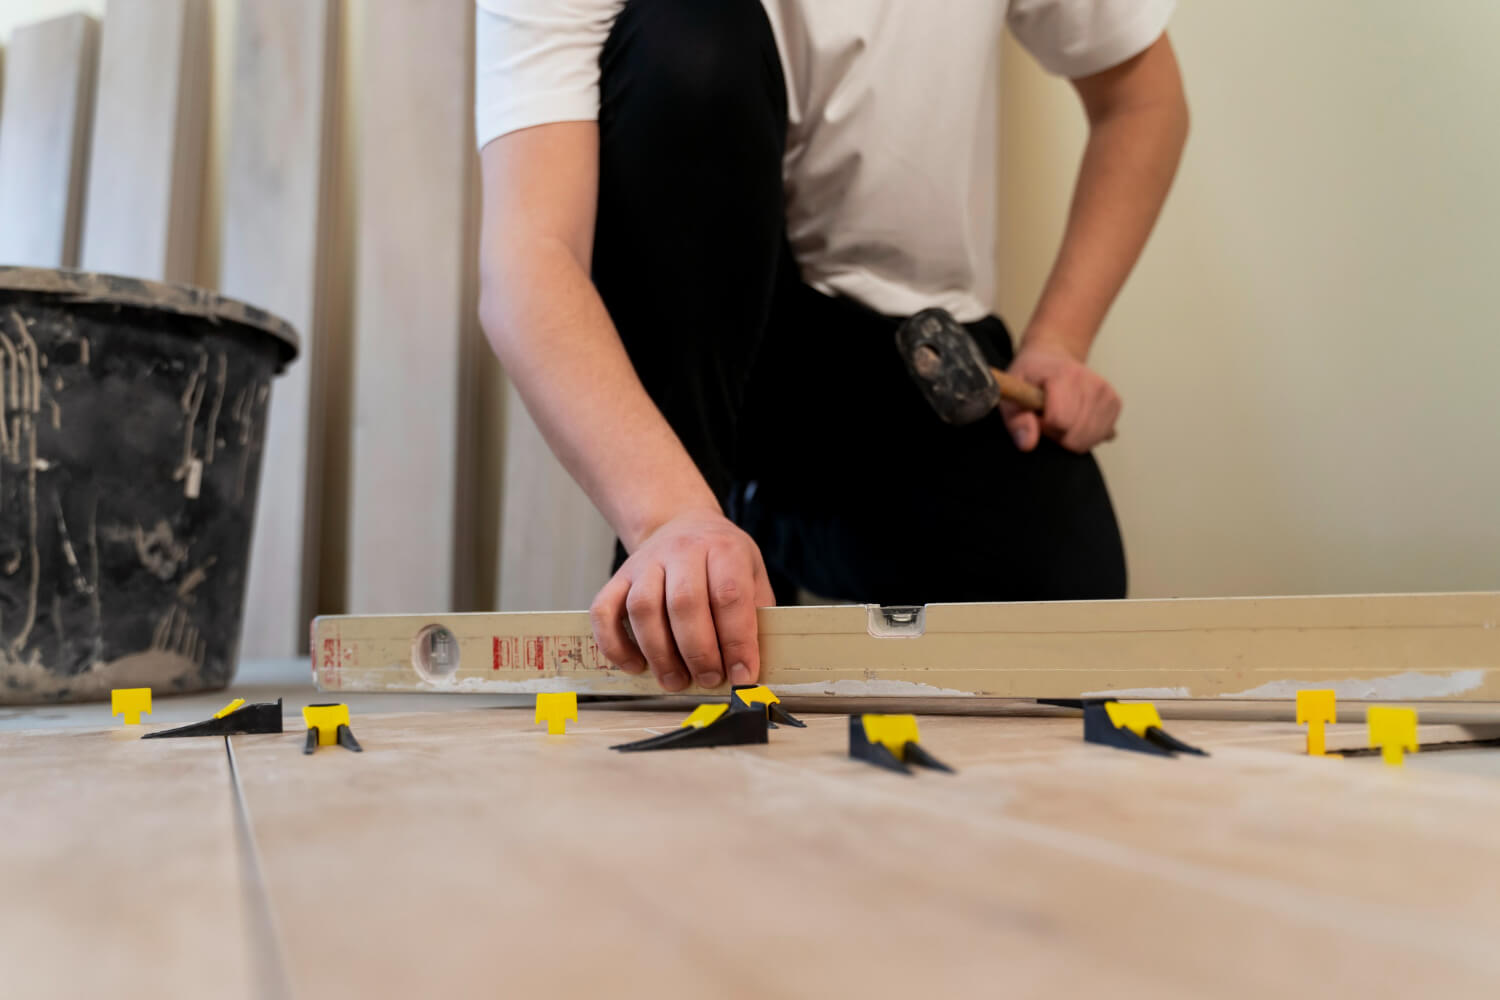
(467, 853)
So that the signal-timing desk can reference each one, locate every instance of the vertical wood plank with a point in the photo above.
(146, 161)
(413, 308)
(555, 548)
(44, 130)
(273, 255)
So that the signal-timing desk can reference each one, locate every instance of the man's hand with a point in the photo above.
(684, 602)
(1082, 406)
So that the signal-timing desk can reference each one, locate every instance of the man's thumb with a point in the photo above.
(1024, 429)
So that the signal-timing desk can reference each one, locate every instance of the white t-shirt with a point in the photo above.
(890, 167)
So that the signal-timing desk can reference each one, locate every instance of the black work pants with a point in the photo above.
(795, 404)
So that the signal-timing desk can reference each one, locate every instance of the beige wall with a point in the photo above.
(1309, 351)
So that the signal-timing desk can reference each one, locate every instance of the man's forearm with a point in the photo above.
(683, 604)
(562, 354)
(1138, 126)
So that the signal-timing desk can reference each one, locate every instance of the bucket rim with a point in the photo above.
(185, 300)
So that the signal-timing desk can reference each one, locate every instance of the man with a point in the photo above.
(703, 222)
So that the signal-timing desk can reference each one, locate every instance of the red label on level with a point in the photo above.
(332, 660)
(545, 652)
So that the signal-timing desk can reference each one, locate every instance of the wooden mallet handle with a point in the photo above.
(1019, 391)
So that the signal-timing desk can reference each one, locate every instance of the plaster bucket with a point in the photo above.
(131, 432)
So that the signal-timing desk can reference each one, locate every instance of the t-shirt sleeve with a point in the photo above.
(537, 61)
(1075, 38)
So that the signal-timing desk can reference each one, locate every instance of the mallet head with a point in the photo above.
(947, 366)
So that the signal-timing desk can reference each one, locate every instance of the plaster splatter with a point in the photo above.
(849, 688)
(486, 685)
(1146, 692)
(1394, 688)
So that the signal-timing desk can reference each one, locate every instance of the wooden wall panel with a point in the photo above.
(273, 249)
(146, 159)
(44, 130)
(414, 314)
(555, 548)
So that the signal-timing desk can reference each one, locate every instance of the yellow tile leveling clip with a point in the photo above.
(704, 716)
(891, 742)
(1393, 730)
(130, 702)
(555, 708)
(233, 706)
(743, 696)
(1134, 726)
(710, 725)
(327, 725)
(1138, 717)
(1315, 709)
(233, 719)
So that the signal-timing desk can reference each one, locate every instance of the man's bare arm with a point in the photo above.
(691, 585)
(1138, 121)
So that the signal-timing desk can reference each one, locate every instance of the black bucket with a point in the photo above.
(133, 419)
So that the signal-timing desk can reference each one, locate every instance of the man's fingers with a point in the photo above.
(607, 616)
(1096, 424)
(1106, 413)
(692, 621)
(1116, 405)
(1024, 427)
(1082, 437)
(1085, 432)
(765, 595)
(1078, 440)
(731, 595)
(1064, 407)
(1081, 407)
(646, 605)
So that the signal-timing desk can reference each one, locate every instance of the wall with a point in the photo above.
(1308, 351)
